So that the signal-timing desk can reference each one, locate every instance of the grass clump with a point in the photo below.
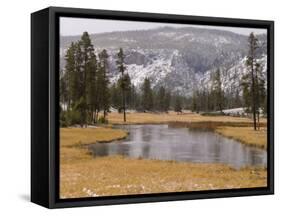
(245, 135)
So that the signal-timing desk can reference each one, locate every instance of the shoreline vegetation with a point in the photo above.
(83, 176)
(245, 135)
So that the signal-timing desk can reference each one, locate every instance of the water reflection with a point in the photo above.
(181, 144)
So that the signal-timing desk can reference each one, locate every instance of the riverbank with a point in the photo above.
(162, 118)
(238, 128)
(74, 141)
(83, 176)
(245, 135)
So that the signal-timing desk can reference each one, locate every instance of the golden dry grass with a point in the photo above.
(245, 135)
(73, 136)
(83, 176)
(72, 141)
(153, 118)
(116, 175)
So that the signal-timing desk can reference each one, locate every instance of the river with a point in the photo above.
(162, 142)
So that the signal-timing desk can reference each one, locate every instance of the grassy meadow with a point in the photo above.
(116, 175)
(81, 175)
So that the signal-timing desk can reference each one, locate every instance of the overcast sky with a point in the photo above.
(76, 26)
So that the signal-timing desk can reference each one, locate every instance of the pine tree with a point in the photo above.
(80, 73)
(75, 81)
(116, 95)
(71, 73)
(91, 87)
(161, 94)
(251, 64)
(99, 90)
(133, 97)
(217, 90)
(246, 89)
(178, 104)
(260, 91)
(237, 99)
(251, 79)
(122, 68)
(147, 95)
(203, 100)
(195, 96)
(167, 101)
(105, 94)
(127, 86)
(88, 74)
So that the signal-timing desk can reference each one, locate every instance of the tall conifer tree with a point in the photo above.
(121, 67)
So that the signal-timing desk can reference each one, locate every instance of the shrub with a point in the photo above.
(102, 120)
(68, 118)
(63, 122)
(213, 114)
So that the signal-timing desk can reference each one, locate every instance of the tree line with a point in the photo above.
(252, 86)
(83, 83)
(85, 89)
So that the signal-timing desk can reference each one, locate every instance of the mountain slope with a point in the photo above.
(181, 59)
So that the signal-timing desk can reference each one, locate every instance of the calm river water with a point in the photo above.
(181, 144)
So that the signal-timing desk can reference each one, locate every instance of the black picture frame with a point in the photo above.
(45, 106)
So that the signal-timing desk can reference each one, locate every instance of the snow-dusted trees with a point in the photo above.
(209, 98)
